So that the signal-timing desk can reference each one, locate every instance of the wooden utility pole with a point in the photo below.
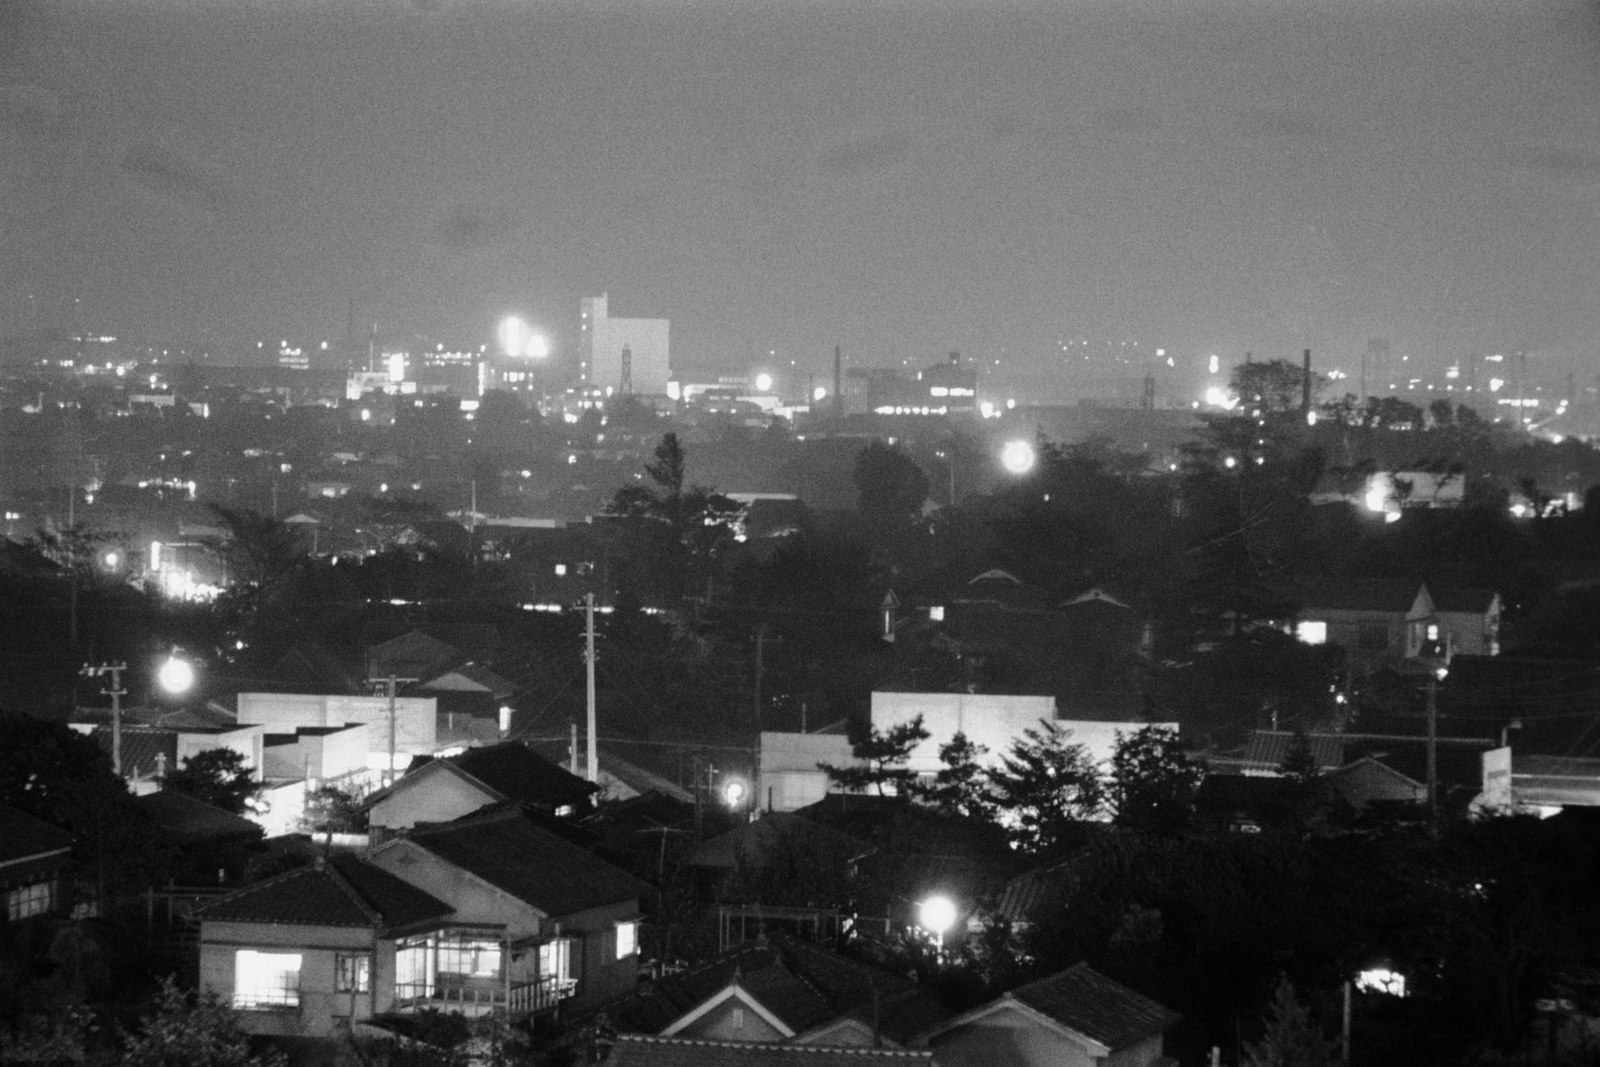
(116, 693)
(591, 755)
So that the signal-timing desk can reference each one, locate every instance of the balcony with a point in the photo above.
(484, 997)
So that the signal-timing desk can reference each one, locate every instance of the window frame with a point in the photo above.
(352, 972)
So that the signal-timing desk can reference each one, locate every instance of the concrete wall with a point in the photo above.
(416, 719)
(248, 741)
(789, 778)
(987, 719)
(321, 756)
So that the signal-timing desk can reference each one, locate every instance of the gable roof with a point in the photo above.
(1463, 601)
(1085, 1000)
(184, 820)
(339, 891)
(634, 1050)
(801, 986)
(1081, 1003)
(471, 678)
(411, 655)
(22, 836)
(520, 774)
(533, 865)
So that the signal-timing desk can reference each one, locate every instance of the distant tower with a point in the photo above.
(1375, 367)
(625, 386)
(1147, 400)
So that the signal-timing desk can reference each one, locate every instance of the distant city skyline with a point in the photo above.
(902, 181)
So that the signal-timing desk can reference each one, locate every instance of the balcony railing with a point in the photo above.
(484, 998)
(267, 1000)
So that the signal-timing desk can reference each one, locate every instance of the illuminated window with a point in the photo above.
(465, 958)
(353, 972)
(266, 979)
(1433, 631)
(29, 900)
(555, 960)
(936, 613)
(627, 939)
(561, 570)
(1311, 632)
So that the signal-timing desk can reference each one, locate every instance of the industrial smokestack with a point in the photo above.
(1305, 387)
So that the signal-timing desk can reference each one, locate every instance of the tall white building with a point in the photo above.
(603, 340)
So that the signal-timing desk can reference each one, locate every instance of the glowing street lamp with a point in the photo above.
(1018, 457)
(734, 791)
(176, 675)
(763, 382)
(936, 915)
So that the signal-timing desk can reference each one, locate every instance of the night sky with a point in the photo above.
(901, 178)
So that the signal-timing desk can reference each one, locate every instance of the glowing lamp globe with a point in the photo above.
(176, 675)
(937, 914)
(1017, 457)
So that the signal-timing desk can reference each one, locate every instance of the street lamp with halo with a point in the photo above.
(176, 675)
(937, 914)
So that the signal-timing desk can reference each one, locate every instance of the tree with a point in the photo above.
(1274, 386)
(192, 1032)
(217, 776)
(1153, 781)
(1047, 786)
(331, 810)
(58, 775)
(884, 753)
(891, 487)
(697, 521)
(1292, 1037)
(961, 786)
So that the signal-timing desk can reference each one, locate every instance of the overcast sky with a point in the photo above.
(900, 178)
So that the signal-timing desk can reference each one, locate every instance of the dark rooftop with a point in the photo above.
(1097, 1007)
(342, 891)
(531, 864)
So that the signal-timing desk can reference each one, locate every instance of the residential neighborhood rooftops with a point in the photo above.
(533, 865)
(339, 891)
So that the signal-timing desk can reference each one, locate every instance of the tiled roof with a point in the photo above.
(1269, 748)
(770, 839)
(531, 864)
(22, 836)
(184, 820)
(637, 1051)
(522, 775)
(802, 984)
(1095, 1006)
(341, 891)
(411, 655)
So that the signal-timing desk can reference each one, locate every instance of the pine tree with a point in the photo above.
(1291, 1037)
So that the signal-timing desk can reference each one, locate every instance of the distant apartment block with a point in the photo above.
(622, 355)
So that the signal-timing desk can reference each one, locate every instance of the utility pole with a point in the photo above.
(393, 714)
(761, 636)
(591, 755)
(116, 693)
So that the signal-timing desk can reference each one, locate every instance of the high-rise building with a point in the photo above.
(602, 340)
